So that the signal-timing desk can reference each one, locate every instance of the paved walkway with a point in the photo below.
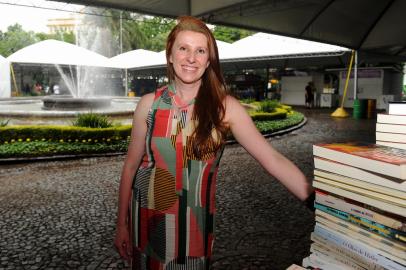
(61, 214)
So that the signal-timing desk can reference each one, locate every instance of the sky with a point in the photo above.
(31, 19)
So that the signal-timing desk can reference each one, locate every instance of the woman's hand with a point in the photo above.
(122, 242)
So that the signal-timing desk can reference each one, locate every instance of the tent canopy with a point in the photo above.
(373, 26)
(58, 52)
(135, 58)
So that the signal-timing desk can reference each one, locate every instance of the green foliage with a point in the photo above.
(271, 126)
(14, 39)
(268, 105)
(3, 122)
(66, 36)
(247, 100)
(230, 34)
(264, 116)
(92, 120)
(156, 30)
(39, 149)
(11, 134)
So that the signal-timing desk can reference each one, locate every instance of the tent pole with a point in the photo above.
(126, 82)
(355, 75)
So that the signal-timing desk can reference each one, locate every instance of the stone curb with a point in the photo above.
(68, 157)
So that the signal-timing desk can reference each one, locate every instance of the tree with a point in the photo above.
(66, 36)
(15, 39)
(156, 29)
(230, 34)
(104, 31)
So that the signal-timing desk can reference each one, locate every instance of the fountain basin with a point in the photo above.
(29, 111)
(69, 103)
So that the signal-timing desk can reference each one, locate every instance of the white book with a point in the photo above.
(382, 127)
(392, 144)
(391, 137)
(396, 249)
(360, 183)
(324, 254)
(398, 210)
(344, 205)
(391, 119)
(365, 192)
(340, 250)
(376, 158)
(372, 254)
(361, 174)
(398, 108)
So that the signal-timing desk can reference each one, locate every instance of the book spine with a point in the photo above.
(341, 204)
(396, 253)
(320, 252)
(363, 222)
(364, 250)
(398, 210)
(326, 244)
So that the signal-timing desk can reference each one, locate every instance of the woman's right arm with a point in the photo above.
(136, 150)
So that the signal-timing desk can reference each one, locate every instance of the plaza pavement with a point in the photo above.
(61, 214)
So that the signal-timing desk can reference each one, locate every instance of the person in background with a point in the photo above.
(309, 95)
(166, 207)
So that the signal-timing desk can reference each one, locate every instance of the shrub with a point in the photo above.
(65, 133)
(4, 123)
(92, 120)
(268, 105)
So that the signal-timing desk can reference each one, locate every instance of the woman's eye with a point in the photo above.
(182, 48)
(201, 51)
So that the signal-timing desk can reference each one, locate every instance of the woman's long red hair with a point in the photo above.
(209, 107)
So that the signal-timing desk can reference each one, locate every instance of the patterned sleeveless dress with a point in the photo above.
(173, 198)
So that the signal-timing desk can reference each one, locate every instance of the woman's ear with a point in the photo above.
(208, 63)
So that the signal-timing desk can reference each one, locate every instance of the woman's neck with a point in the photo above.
(187, 92)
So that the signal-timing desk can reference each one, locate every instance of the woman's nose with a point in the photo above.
(191, 56)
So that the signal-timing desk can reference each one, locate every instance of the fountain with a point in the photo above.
(83, 89)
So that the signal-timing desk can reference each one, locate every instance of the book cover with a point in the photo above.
(361, 174)
(398, 210)
(394, 248)
(391, 119)
(377, 158)
(382, 127)
(371, 254)
(398, 108)
(391, 137)
(365, 192)
(359, 183)
(392, 144)
(360, 210)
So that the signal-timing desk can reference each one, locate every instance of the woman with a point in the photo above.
(174, 154)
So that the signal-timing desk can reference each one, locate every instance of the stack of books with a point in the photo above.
(391, 127)
(360, 207)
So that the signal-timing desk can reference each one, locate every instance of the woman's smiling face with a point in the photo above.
(189, 56)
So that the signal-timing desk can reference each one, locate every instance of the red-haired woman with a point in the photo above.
(167, 191)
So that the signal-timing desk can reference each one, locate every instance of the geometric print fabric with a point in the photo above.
(172, 206)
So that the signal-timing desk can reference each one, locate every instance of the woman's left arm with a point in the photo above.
(245, 132)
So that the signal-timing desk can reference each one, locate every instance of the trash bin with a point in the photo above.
(371, 108)
(356, 113)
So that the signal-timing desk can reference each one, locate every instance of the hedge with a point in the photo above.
(9, 134)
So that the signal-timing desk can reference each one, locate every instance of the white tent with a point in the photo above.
(5, 85)
(58, 52)
(135, 58)
(262, 44)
